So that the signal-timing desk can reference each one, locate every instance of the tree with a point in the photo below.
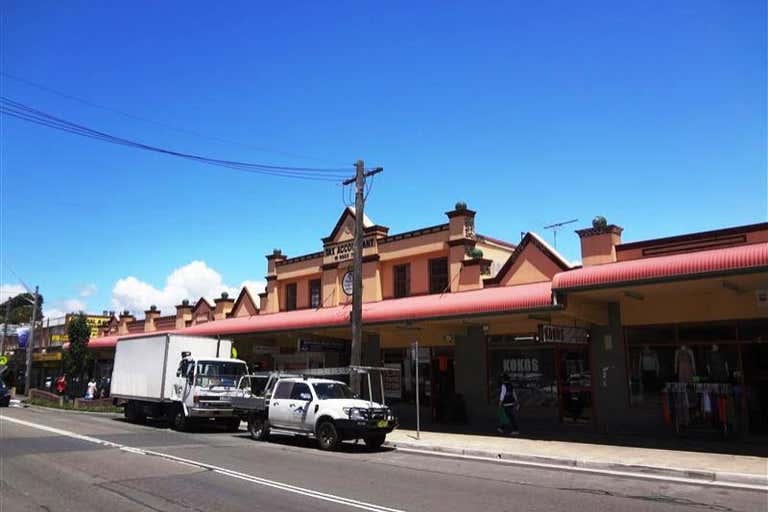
(77, 359)
(20, 308)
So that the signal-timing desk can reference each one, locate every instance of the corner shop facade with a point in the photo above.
(568, 335)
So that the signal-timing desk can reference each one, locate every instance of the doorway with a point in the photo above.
(574, 384)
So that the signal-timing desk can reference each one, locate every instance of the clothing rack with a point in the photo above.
(707, 404)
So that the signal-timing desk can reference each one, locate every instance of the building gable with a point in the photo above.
(244, 305)
(532, 261)
(202, 312)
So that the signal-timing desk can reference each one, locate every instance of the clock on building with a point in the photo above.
(348, 283)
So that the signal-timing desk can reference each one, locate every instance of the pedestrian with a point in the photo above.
(61, 384)
(90, 391)
(508, 406)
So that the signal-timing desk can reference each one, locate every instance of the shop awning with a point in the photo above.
(487, 301)
(694, 265)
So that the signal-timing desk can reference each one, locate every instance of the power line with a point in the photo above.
(23, 112)
(152, 121)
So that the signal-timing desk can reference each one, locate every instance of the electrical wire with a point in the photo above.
(23, 112)
(152, 121)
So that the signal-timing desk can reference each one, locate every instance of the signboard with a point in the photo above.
(310, 345)
(40, 357)
(393, 382)
(345, 251)
(348, 283)
(23, 334)
(95, 324)
(563, 334)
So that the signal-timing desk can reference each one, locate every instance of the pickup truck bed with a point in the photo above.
(248, 405)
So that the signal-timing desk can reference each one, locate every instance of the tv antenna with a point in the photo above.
(554, 227)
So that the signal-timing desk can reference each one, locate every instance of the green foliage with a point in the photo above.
(20, 308)
(77, 359)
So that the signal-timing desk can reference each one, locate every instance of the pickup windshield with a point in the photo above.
(331, 390)
(218, 373)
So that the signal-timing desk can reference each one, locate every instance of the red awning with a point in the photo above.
(731, 260)
(487, 301)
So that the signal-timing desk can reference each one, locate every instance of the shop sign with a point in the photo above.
(563, 334)
(521, 366)
(264, 349)
(40, 358)
(346, 250)
(309, 345)
(393, 382)
(348, 283)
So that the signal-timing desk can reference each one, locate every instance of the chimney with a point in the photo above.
(150, 316)
(461, 240)
(183, 314)
(224, 306)
(125, 318)
(598, 243)
(272, 261)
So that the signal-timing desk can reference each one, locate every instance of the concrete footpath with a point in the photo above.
(710, 467)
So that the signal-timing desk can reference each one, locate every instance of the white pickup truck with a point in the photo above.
(317, 407)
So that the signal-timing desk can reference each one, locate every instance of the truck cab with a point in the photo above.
(204, 389)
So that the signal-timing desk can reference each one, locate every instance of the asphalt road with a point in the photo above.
(43, 467)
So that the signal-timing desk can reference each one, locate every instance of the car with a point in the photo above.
(5, 395)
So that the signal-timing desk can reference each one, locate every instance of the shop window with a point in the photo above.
(532, 371)
(700, 354)
(402, 275)
(438, 275)
(290, 297)
(315, 297)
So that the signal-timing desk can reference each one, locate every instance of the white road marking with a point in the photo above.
(609, 472)
(220, 470)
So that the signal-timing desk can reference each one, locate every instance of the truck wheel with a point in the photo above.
(327, 436)
(375, 441)
(179, 422)
(258, 428)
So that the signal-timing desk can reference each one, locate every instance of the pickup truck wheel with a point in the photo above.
(258, 428)
(375, 441)
(178, 420)
(327, 436)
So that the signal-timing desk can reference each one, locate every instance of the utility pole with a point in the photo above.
(30, 344)
(357, 269)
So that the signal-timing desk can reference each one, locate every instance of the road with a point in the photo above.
(62, 461)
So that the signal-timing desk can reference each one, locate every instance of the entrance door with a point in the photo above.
(444, 406)
(574, 384)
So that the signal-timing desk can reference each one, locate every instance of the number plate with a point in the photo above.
(382, 424)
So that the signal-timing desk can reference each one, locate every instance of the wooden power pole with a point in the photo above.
(357, 269)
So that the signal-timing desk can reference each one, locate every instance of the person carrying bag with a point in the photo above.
(508, 405)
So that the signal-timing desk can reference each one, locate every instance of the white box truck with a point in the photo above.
(180, 378)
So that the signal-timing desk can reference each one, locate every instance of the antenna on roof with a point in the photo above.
(554, 227)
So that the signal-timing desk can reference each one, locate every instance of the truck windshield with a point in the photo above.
(218, 373)
(331, 390)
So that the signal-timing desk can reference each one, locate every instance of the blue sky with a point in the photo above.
(652, 114)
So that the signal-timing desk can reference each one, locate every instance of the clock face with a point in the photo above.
(347, 283)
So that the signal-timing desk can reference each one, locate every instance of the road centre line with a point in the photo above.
(217, 469)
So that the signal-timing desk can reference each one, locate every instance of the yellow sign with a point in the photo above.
(3, 360)
(95, 323)
(53, 356)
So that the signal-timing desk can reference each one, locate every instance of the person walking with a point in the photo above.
(61, 384)
(90, 392)
(508, 406)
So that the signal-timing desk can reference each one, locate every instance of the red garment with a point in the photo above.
(61, 385)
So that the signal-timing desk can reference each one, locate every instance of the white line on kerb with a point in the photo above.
(222, 471)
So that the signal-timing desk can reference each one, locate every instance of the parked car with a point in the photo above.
(5, 395)
(315, 407)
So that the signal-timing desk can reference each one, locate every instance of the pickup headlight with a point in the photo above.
(355, 413)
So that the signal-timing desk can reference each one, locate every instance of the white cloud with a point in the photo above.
(87, 290)
(191, 281)
(8, 291)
